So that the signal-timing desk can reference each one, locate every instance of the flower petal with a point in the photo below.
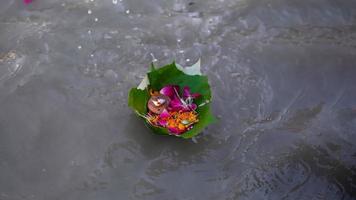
(193, 106)
(187, 93)
(162, 122)
(176, 104)
(195, 95)
(164, 114)
(169, 91)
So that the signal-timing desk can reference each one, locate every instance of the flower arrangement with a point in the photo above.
(173, 100)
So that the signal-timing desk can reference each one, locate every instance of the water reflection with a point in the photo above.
(295, 175)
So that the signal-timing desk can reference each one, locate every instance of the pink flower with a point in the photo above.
(163, 118)
(187, 94)
(170, 91)
(163, 121)
(27, 1)
(177, 103)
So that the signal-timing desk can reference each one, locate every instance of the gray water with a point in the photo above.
(282, 72)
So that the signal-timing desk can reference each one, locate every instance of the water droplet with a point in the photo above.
(92, 0)
(181, 51)
(179, 40)
(96, 19)
(187, 60)
(127, 11)
(114, 1)
(79, 47)
(89, 12)
(15, 69)
(91, 55)
(89, 31)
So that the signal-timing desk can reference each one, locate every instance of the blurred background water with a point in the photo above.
(282, 72)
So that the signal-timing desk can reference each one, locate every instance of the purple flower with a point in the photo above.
(187, 94)
(178, 103)
(163, 118)
(169, 91)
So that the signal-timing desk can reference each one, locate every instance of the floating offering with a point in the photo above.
(173, 100)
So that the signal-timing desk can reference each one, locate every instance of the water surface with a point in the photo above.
(283, 76)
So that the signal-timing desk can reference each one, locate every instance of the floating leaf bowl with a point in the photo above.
(174, 74)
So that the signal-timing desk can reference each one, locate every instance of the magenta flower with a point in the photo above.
(178, 103)
(163, 118)
(187, 94)
(163, 121)
(27, 1)
(170, 91)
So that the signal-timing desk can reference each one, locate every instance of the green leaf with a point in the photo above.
(138, 100)
(205, 118)
(158, 130)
